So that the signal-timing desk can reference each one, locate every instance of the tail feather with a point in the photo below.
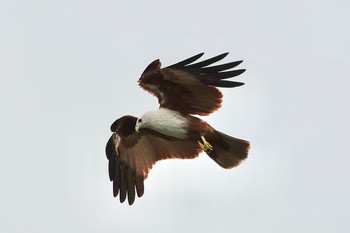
(228, 151)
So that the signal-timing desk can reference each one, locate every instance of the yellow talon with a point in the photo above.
(205, 146)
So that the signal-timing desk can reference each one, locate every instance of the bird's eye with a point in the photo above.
(139, 120)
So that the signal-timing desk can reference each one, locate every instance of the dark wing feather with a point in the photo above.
(188, 87)
(131, 156)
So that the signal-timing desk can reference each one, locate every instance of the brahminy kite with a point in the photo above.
(183, 90)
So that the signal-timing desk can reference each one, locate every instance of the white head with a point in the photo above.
(139, 124)
(165, 121)
(145, 121)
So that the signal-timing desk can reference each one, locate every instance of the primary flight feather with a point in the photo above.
(183, 90)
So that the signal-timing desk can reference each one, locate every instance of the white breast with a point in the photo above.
(167, 122)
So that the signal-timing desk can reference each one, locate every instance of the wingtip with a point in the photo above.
(193, 58)
(187, 61)
(223, 55)
(242, 70)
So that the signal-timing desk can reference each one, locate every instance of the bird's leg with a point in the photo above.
(205, 146)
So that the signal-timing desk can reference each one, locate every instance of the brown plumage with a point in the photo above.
(183, 90)
(183, 86)
(227, 151)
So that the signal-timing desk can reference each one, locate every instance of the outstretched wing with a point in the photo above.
(131, 156)
(189, 87)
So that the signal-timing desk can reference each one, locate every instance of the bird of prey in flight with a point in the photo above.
(184, 89)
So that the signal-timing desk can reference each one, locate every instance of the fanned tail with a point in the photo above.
(228, 151)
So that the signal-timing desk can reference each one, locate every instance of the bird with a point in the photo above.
(185, 91)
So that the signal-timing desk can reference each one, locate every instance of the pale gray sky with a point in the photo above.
(68, 69)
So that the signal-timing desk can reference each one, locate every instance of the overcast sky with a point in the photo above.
(68, 69)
